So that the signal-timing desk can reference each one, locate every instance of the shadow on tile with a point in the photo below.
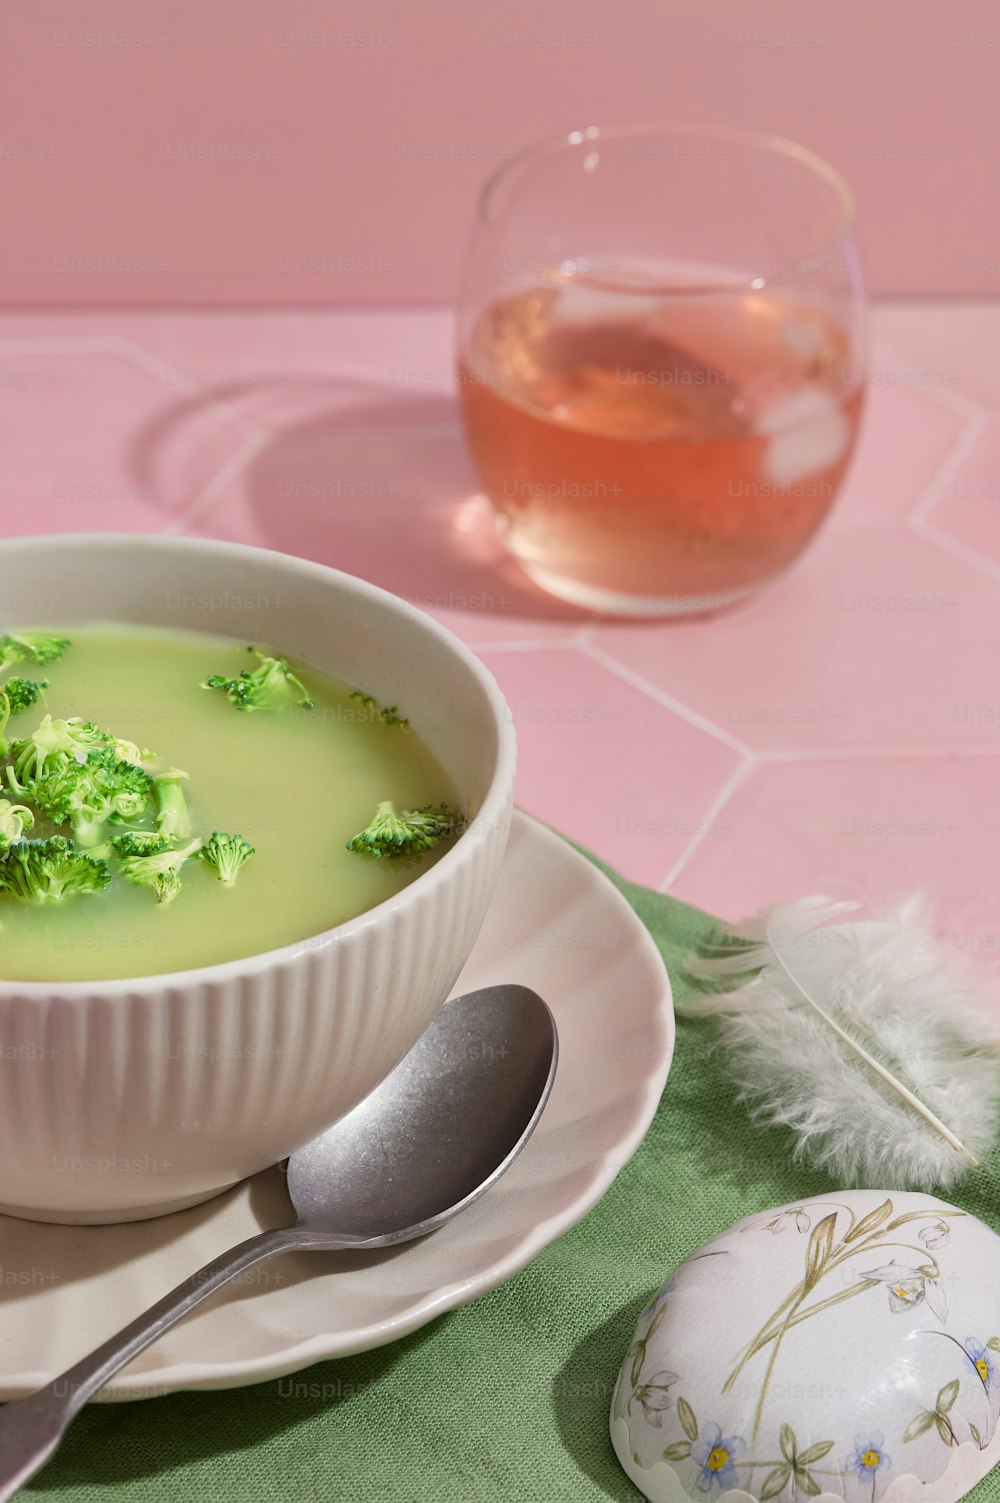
(369, 479)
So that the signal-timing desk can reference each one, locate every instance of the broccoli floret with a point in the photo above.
(126, 785)
(408, 834)
(160, 870)
(17, 695)
(388, 714)
(173, 818)
(33, 646)
(69, 796)
(55, 744)
(140, 843)
(87, 794)
(226, 854)
(39, 647)
(14, 820)
(22, 693)
(269, 687)
(49, 871)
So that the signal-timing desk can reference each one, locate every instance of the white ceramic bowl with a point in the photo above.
(121, 1100)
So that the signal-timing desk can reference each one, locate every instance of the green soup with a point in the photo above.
(297, 783)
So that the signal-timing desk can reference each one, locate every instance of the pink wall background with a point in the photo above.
(112, 112)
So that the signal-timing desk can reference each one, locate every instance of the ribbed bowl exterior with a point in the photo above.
(118, 1106)
(121, 1100)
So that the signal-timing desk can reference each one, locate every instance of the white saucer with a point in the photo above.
(556, 925)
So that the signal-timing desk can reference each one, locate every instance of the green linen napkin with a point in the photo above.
(505, 1400)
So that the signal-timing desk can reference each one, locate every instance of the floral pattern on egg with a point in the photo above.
(845, 1347)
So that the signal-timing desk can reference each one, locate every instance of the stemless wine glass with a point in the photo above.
(660, 360)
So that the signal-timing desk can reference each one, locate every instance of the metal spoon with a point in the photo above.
(437, 1133)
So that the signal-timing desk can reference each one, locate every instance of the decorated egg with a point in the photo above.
(842, 1348)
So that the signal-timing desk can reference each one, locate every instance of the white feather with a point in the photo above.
(869, 1040)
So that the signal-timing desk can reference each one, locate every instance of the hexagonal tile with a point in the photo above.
(875, 639)
(88, 445)
(410, 349)
(377, 482)
(605, 764)
(968, 508)
(905, 436)
(951, 341)
(867, 828)
(286, 368)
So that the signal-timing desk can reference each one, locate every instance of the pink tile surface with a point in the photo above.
(869, 828)
(592, 752)
(905, 436)
(876, 639)
(843, 729)
(967, 508)
(76, 428)
(377, 482)
(952, 344)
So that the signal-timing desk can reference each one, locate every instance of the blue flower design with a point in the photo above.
(869, 1456)
(985, 1363)
(717, 1456)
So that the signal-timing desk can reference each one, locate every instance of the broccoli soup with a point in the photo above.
(172, 799)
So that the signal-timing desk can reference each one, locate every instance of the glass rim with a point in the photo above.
(777, 145)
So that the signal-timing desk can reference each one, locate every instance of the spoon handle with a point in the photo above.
(32, 1427)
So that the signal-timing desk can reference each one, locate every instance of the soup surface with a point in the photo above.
(296, 783)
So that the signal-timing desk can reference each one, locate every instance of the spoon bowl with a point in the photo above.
(440, 1129)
